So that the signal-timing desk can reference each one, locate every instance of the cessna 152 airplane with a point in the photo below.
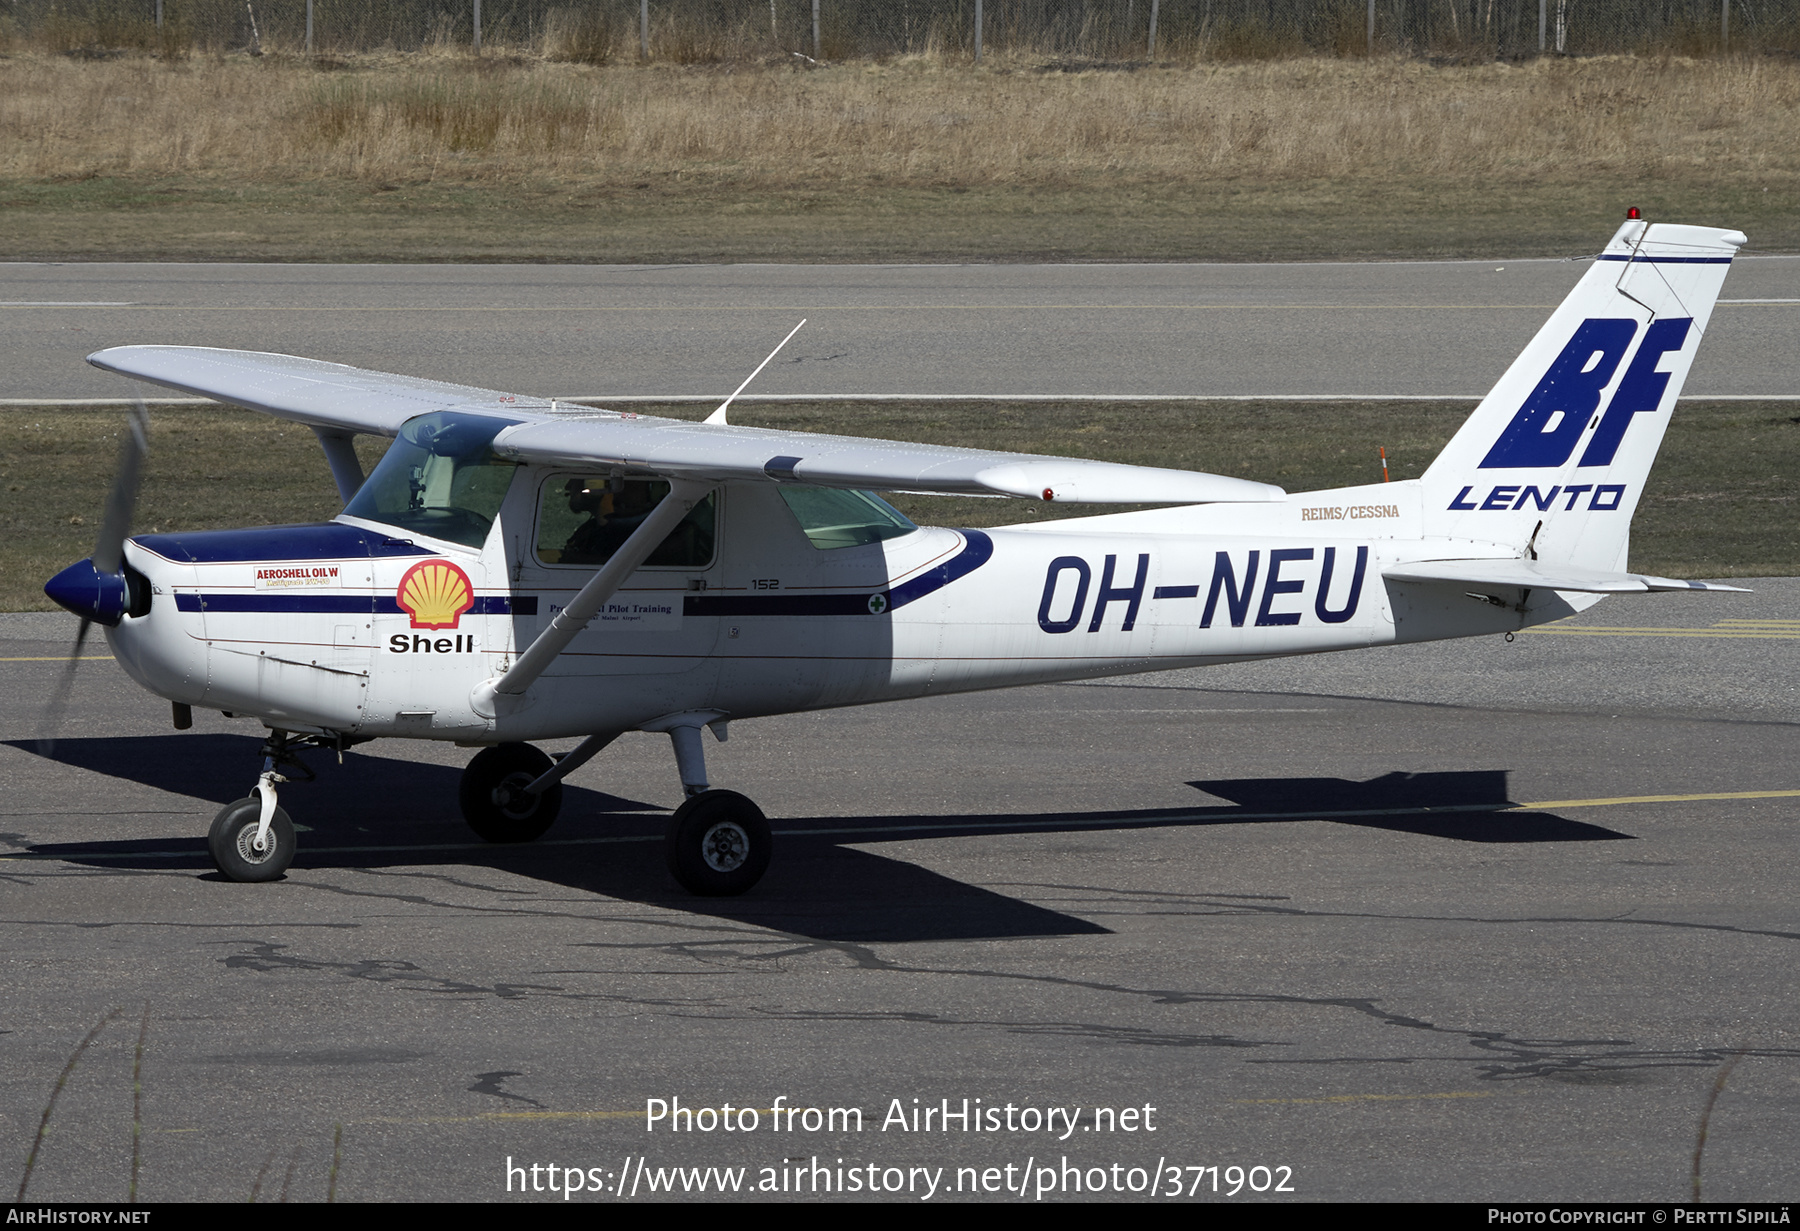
(517, 569)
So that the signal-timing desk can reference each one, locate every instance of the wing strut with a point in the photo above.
(340, 454)
(490, 695)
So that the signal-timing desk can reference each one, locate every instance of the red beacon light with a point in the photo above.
(1633, 214)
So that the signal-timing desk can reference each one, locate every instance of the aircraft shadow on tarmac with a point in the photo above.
(1469, 805)
(819, 886)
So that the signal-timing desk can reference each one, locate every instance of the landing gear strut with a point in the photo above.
(718, 844)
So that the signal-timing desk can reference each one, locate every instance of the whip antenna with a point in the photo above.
(718, 416)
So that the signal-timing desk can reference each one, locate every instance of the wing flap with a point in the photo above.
(1530, 574)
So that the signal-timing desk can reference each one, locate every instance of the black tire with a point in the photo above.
(718, 844)
(493, 798)
(231, 842)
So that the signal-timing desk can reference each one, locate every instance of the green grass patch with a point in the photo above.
(1720, 502)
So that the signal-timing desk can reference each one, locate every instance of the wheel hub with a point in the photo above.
(246, 845)
(513, 799)
(725, 847)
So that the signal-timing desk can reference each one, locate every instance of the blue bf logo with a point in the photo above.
(1550, 423)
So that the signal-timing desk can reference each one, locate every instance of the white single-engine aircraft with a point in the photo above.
(517, 569)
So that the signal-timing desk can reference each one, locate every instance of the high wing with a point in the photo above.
(339, 398)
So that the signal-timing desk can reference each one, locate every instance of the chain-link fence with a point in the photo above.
(597, 31)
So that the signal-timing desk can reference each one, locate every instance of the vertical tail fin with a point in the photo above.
(1554, 459)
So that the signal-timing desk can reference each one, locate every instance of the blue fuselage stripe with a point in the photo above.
(776, 604)
(341, 604)
(977, 550)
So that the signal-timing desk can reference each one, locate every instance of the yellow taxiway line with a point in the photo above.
(1730, 634)
(1652, 799)
(1733, 629)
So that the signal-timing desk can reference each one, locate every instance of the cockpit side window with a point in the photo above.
(440, 478)
(836, 517)
(584, 519)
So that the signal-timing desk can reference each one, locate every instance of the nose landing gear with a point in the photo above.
(252, 839)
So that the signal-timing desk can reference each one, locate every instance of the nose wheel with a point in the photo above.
(241, 852)
(718, 844)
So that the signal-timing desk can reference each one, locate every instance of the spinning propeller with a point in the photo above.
(98, 589)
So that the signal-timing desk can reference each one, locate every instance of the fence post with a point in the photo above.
(477, 27)
(309, 4)
(978, 25)
(1371, 27)
(1153, 8)
(643, 29)
(159, 14)
(1543, 22)
(815, 29)
(1725, 25)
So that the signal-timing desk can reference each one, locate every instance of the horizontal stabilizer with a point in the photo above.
(1534, 575)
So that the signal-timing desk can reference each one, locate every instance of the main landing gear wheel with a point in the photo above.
(718, 844)
(232, 841)
(493, 796)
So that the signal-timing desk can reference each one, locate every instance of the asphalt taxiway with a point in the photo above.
(1421, 329)
(1471, 921)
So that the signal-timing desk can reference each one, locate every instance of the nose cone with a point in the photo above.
(90, 594)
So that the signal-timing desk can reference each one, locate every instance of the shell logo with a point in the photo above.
(435, 593)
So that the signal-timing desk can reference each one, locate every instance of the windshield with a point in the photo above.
(440, 479)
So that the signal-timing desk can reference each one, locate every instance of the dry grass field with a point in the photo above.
(430, 156)
(1705, 512)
